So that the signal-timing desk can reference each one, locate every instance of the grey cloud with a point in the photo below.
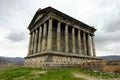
(107, 36)
(106, 3)
(111, 17)
(113, 26)
(103, 39)
(16, 36)
(12, 11)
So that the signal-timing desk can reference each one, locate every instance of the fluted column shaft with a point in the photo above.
(40, 39)
(93, 45)
(84, 40)
(58, 36)
(89, 45)
(49, 41)
(30, 42)
(79, 42)
(73, 40)
(66, 38)
(35, 41)
(44, 37)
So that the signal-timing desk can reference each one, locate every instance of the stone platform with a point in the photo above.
(53, 59)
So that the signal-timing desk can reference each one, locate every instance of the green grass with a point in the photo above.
(23, 73)
(26, 73)
(59, 74)
(17, 72)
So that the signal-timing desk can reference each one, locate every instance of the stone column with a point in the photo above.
(93, 46)
(40, 39)
(30, 42)
(84, 41)
(73, 40)
(49, 41)
(89, 45)
(66, 38)
(32, 45)
(35, 40)
(58, 36)
(79, 42)
(44, 37)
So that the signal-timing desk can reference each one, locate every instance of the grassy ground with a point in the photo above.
(24, 73)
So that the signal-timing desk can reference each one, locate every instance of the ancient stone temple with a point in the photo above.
(57, 39)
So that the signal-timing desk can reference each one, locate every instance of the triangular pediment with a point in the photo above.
(36, 18)
(42, 14)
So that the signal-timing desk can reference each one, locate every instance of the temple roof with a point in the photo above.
(41, 13)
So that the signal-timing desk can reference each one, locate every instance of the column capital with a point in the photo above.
(50, 18)
(89, 34)
(67, 25)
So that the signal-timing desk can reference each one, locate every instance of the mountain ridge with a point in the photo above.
(12, 59)
(110, 57)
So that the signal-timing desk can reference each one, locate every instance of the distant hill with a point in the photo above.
(11, 60)
(111, 57)
(3, 61)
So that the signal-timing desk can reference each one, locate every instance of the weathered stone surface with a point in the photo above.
(52, 60)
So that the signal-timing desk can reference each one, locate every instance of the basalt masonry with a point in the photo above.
(58, 40)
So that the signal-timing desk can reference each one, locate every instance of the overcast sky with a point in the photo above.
(15, 16)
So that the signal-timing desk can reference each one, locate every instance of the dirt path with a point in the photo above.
(79, 75)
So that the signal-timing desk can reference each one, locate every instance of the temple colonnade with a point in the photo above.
(62, 37)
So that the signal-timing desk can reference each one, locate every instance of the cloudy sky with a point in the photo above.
(15, 16)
